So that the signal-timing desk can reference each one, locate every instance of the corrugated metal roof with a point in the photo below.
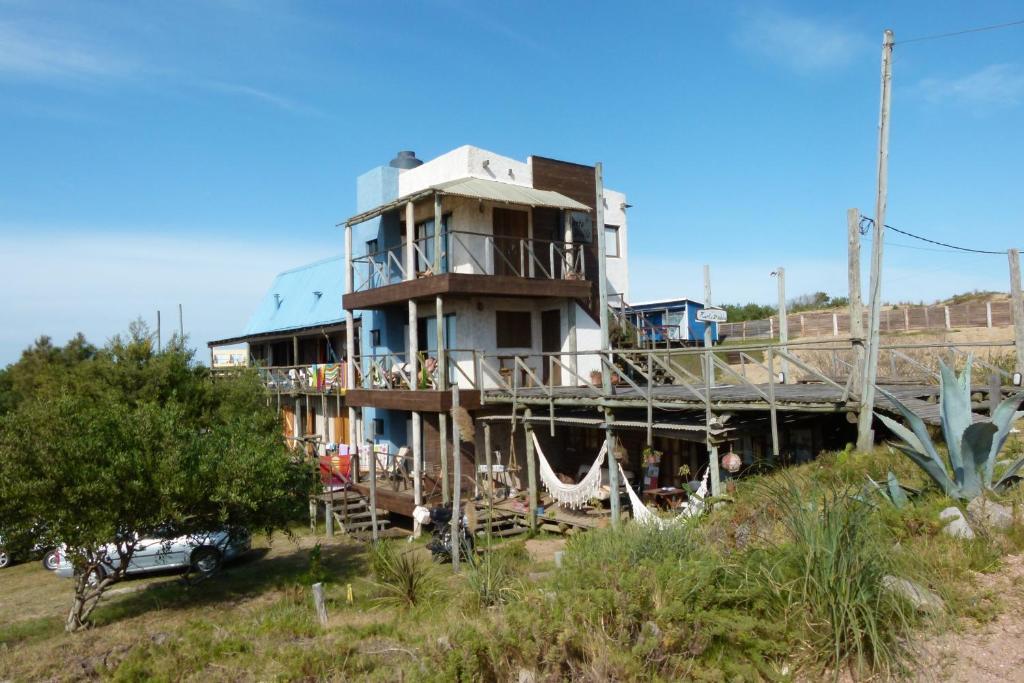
(292, 302)
(479, 188)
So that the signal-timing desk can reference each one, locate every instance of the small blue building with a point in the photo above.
(671, 322)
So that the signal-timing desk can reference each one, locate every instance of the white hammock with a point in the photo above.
(643, 515)
(571, 495)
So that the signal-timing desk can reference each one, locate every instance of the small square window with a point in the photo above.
(374, 337)
(611, 241)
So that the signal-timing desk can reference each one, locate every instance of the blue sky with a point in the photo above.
(161, 153)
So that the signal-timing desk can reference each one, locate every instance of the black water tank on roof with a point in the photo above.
(405, 159)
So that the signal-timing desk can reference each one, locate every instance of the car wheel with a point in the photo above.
(5, 559)
(51, 560)
(206, 560)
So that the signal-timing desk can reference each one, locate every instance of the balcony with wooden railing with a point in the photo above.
(469, 263)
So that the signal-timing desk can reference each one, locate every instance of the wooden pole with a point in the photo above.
(442, 379)
(865, 433)
(373, 490)
(438, 221)
(773, 412)
(716, 484)
(856, 305)
(606, 370)
(456, 485)
(708, 340)
(181, 326)
(319, 604)
(490, 478)
(159, 341)
(1017, 307)
(780, 274)
(531, 471)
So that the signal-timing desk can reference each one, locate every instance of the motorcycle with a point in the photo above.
(440, 544)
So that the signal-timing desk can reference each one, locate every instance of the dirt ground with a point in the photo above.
(984, 653)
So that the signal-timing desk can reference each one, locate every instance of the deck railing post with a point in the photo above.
(771, 405)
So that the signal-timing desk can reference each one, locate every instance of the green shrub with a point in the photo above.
(403, 576)
(492, 579)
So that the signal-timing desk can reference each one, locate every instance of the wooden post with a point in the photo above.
(945, 311)
(771, 405)
(988, 314)
(531, 471)
(350, 355)
(906, 319)
(708, 340)
(295, 349)
(613, 468)
(835, 325)
(715, 477)
(417, 457)
(373, 490)
(780, 274)
(329, 519)
(865, 433)
(181, 326)
(490, 477)
(995, 392)
(457, 483)
(1017, 306)
(442, 384)
(319, 604)
(438, 223)
(570, 314)
(606, 377)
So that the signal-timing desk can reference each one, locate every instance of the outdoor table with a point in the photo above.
(665, 497)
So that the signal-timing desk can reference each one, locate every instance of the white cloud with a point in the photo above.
(59, 283)
(799, 43)
(993, 85)
(39, 55)
(256, 94)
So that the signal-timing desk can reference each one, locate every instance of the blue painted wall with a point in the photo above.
(373, 188)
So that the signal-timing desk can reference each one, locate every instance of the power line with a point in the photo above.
(865, 222)
(960, 33)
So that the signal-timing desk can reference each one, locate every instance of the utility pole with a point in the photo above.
(856, 305)
(708, 341)
(1017, 307)
(606, 371)
(181, 327)
(865, 435)
(709, 382)
(780, 275)
(159, 341)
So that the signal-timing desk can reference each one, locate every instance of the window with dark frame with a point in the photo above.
(611, 241)
(375, 337)
(513, 329)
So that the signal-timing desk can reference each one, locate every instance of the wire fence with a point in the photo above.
(896, 319)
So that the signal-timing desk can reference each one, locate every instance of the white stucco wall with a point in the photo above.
(464, 162)
(617, 268)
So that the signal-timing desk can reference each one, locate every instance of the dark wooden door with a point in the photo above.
(551, 342)
(510, 226)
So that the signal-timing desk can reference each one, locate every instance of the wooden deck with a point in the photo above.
(806, 398)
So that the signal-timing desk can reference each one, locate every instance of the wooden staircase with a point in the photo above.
(503, 522)
(352, 515)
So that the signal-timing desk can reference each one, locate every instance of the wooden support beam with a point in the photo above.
(1017, 306)
(531, 472)
(490, 476)
(457, 487)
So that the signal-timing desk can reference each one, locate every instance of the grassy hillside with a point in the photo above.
(785, 580)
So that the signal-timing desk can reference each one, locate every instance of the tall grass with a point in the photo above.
(825, 574)
(404, 577)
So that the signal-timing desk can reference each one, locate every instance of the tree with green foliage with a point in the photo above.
(126, 442)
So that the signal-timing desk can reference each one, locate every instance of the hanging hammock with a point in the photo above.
(571, 495)
(644, 515)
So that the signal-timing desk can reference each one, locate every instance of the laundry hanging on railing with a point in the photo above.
(644, 515)
(571, 495)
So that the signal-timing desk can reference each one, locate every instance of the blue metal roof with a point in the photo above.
(293, 302)
(664, 303)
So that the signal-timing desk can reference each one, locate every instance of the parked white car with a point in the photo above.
(202, 553)
(8, 557)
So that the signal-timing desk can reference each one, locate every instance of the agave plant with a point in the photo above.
(972, 447)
